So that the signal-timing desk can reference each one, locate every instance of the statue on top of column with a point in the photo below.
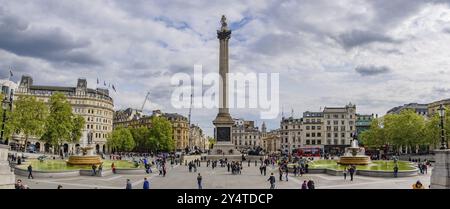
(224, 23)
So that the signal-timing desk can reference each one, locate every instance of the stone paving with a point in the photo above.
(180, 178)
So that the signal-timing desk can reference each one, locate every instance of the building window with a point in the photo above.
(307, 142)
(342, 135)
(307, 127)
(351, 128)
(335, 122)
(319, 127)
(328, 122)
(319, 141)
(329, 135)
(313, 142)
(319, 134)
(342, 141)
(313, 128)
(342, 128)
(329, 141)
(335, 141)
(313, 134)
(307, 135)
(335, 128)
(335, 135)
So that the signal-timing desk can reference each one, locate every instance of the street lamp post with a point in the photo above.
(441, 111)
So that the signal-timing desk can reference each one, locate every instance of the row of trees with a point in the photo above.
(407, 129)
(53, 123)
(158, 137)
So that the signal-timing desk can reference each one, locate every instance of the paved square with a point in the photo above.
(180, 178)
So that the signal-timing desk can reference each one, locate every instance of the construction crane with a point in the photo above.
(145, 100)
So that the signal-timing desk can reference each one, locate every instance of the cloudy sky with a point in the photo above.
(376, 54)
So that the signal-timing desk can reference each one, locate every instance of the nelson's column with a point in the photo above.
(223, 122)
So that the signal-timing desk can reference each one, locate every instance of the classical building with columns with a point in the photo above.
(95, 105)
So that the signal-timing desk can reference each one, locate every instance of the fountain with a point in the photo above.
(87, 157)
(354, 155)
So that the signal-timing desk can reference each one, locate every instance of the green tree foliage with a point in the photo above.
(78, 123)
(121, 139)
(161, 134)
(141, 137)
(375, 136)
(28, 117)
(211, 141)
(62, 125)
(406, 129)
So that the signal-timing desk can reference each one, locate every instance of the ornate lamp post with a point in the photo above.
(441, 112)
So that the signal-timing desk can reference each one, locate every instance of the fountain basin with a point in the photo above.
(354, 160)
(84, 160)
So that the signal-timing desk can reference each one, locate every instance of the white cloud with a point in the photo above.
(314, 45)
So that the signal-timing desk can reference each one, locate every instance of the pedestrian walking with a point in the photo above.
(271, 181)
(395, 171)
(345, 171)
(30, 172)
(199, 181)
(351, 171)
(286, 173)
(94, 170)
(146, 184)
(129, 185)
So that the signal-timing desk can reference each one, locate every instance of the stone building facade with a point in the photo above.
(245, 134)
(95, 105)
(132, 118)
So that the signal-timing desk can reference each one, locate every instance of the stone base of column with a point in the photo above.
(7, 178)
(440, 176)
(224, 150)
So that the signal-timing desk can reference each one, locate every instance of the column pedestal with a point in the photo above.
(7, 178)
(440, 177)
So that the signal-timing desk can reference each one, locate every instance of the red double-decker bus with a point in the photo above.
(309, 152)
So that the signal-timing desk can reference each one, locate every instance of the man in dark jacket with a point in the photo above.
(271, 181)
(30, 170)
(129, 185)
(351, 171)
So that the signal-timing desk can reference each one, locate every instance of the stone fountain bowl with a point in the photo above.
(84, 160)
(354, 160)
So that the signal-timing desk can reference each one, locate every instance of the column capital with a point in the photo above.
(223, 34)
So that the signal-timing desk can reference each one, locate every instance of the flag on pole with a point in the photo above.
(97, 81)
(109, 85)
(104, 83)
(11, 73)
(113, 88)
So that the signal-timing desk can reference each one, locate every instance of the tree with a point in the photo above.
(211, 141)
(433, 129)
(121, 139)
(28, 117)
(62, 125)
(78, 123)
(141, 137)
(374, 137)
(161, 134)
